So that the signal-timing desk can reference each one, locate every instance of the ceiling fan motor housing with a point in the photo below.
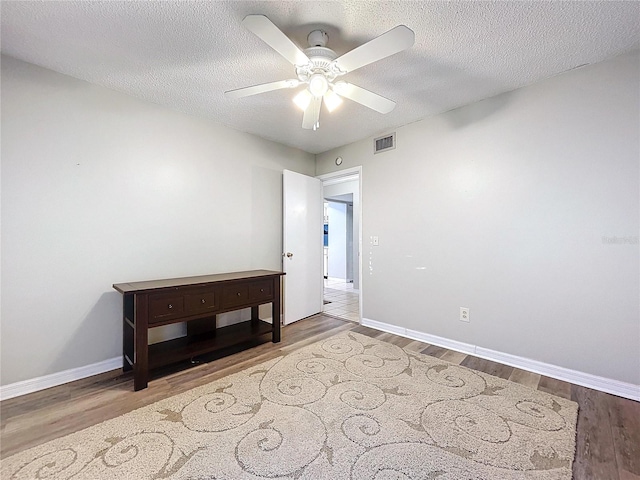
(320, 61)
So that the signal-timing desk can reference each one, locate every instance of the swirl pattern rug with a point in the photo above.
(350, 407)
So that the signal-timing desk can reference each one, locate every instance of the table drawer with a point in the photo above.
(199, 302)
(261, 291)
(234, 295)
(165, 306)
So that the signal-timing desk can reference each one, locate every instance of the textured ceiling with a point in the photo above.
(186, 54)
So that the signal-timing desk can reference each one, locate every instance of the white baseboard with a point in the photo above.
(441, 341)
(385, 327)
(603, 384)
(47, 381)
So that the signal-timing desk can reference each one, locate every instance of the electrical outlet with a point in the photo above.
(464, 314)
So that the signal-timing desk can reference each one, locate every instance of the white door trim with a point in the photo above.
(341, 176)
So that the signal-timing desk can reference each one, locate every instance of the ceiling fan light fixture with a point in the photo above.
(303, 99)
(318, 85)
(332, 100)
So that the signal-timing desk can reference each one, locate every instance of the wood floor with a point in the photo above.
(608, 440)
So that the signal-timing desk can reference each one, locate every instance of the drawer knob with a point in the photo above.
(262, 289)
(202, 301)
(239, 294)
(170, 306)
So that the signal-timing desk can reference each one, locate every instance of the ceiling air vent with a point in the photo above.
(382, 144)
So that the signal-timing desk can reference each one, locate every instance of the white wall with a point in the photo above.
(524, 208)
(345, 188)
(100, 188)
(337, 213)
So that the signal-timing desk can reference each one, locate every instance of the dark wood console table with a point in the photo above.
(197, 301)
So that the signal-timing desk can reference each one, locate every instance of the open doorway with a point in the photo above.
(342, 269)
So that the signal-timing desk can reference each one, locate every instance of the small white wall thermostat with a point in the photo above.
(339, 161)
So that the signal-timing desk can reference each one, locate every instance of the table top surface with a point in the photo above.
(133, 287)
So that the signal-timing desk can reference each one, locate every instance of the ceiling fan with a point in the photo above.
(318, 67)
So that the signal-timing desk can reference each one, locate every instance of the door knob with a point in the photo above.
(289, 254)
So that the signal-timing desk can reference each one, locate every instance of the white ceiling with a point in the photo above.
(186, 54)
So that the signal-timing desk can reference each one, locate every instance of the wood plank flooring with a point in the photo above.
(608, 438)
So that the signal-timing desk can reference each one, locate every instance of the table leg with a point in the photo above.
(127, 333)
(141, 354)
(275, 310)
(255, 317)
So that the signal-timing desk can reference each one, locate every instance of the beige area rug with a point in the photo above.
(347, 407)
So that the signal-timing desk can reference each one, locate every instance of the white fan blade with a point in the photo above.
(273, 36)
(312, 113)
(262, 88)
(393, 41)
(365, 97)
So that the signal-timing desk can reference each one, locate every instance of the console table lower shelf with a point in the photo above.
(183, 348)
(196, 301)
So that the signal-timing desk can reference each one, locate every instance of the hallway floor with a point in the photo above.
(344, 301)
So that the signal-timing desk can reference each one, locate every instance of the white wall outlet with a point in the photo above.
(464, 314)
(375, 240)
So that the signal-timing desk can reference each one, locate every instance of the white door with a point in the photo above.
(302, 218)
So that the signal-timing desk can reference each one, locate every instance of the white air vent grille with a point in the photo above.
(382, 144)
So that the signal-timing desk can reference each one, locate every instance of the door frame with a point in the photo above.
(342, 176)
